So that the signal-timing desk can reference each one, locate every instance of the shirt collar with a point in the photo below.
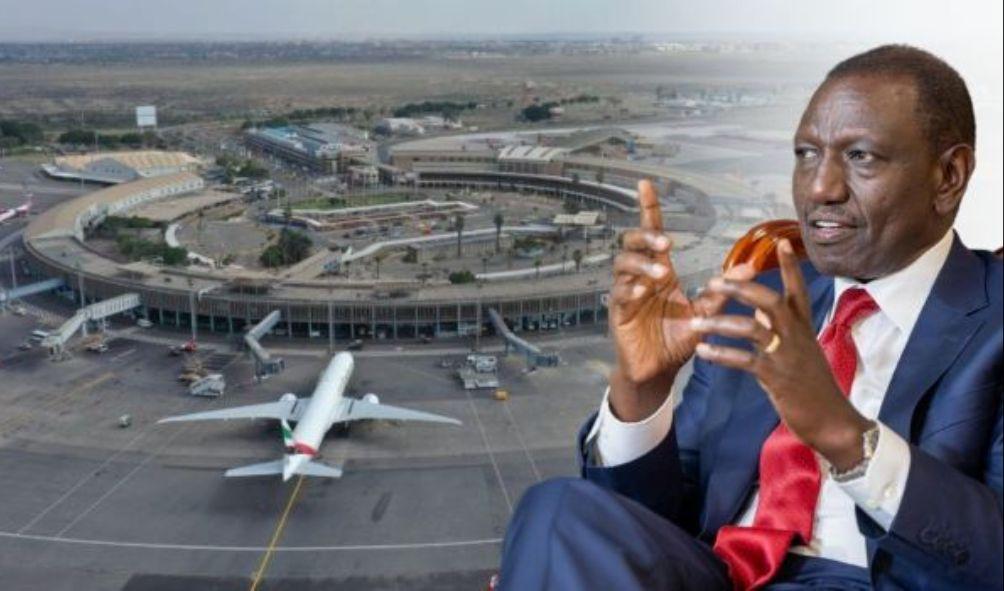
(901, 295)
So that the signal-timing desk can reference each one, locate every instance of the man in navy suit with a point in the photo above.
(842, 427)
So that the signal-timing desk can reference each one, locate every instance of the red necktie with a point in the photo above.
(789, 472)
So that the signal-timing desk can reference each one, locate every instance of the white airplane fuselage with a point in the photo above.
(324, 405)
(313, 416)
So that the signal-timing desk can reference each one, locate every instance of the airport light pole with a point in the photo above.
(191, 308)
(331, 325)
(13, 273)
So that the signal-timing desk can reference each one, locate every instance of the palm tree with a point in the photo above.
(537, 263)
(499, 221)
(589, 240)
(577, 257)
(600, 176)
(458, 223)
(201, 223)
(425, 272)
(564, 258)
(378, 258)
(484, 265)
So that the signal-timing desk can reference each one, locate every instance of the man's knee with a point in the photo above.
(546, 507)
(557, 498)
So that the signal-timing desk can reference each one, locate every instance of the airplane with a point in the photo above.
(314, 416)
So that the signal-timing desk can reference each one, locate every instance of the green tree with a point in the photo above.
(461, 277)
(291, 248)
(379, 258)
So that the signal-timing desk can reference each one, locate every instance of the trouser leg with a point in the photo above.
(572, 534)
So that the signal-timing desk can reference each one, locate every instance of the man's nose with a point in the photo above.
(829, 183)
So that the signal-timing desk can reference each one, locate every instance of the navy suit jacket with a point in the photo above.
(945, 399)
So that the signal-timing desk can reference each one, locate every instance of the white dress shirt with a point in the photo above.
(880, 339)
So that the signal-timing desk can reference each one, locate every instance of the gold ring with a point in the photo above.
(774, 343)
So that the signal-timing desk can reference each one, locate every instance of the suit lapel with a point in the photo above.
(737, 452)
(945, 325)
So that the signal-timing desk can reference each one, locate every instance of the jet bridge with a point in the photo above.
(57, 339)
(9, 295)
(534, 356)
(265, 364)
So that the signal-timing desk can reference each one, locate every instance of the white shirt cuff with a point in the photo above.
(615, 442)
(879, 491)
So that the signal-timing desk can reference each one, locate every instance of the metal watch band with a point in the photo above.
(869, 443)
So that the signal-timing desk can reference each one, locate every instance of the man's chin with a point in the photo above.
(833, 262)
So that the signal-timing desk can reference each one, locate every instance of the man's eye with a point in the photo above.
(859, 156)
(804, 153)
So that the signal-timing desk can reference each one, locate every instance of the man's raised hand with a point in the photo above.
(649, 315)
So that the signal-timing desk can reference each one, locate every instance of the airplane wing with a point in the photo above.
(289, 410)
(355, 410)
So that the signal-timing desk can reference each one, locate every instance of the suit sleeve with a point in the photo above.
(666, 479)
(948, 521)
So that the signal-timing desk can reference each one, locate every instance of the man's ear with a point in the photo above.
(955, 166)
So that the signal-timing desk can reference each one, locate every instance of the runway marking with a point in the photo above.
(82, 482)
(146, 431)
(488, 448)
(21, 419)
(123, 354)
(263, 565)
(522, 442)
(129, 475)
(255, 549)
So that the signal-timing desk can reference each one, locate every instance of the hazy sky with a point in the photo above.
(857, 19)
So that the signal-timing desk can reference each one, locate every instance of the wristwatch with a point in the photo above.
(869, 443)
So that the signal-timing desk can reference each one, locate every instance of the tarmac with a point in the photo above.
(90, 505)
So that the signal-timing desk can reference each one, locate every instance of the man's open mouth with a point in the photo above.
(828, 231)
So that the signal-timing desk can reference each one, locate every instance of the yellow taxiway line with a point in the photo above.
(263, 565)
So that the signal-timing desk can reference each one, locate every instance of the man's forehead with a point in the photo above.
(856, 105)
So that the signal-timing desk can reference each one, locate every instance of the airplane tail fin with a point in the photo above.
(287, 434)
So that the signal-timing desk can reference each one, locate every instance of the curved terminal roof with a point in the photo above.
(139, 160)
(71, 217)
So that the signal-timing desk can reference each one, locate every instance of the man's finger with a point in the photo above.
(637, 265)
(753, 295)
(709, 303)
(734, 327)
(638, 240)
(727, 356)
(626, 298)
(794, 282)
(648, 201)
